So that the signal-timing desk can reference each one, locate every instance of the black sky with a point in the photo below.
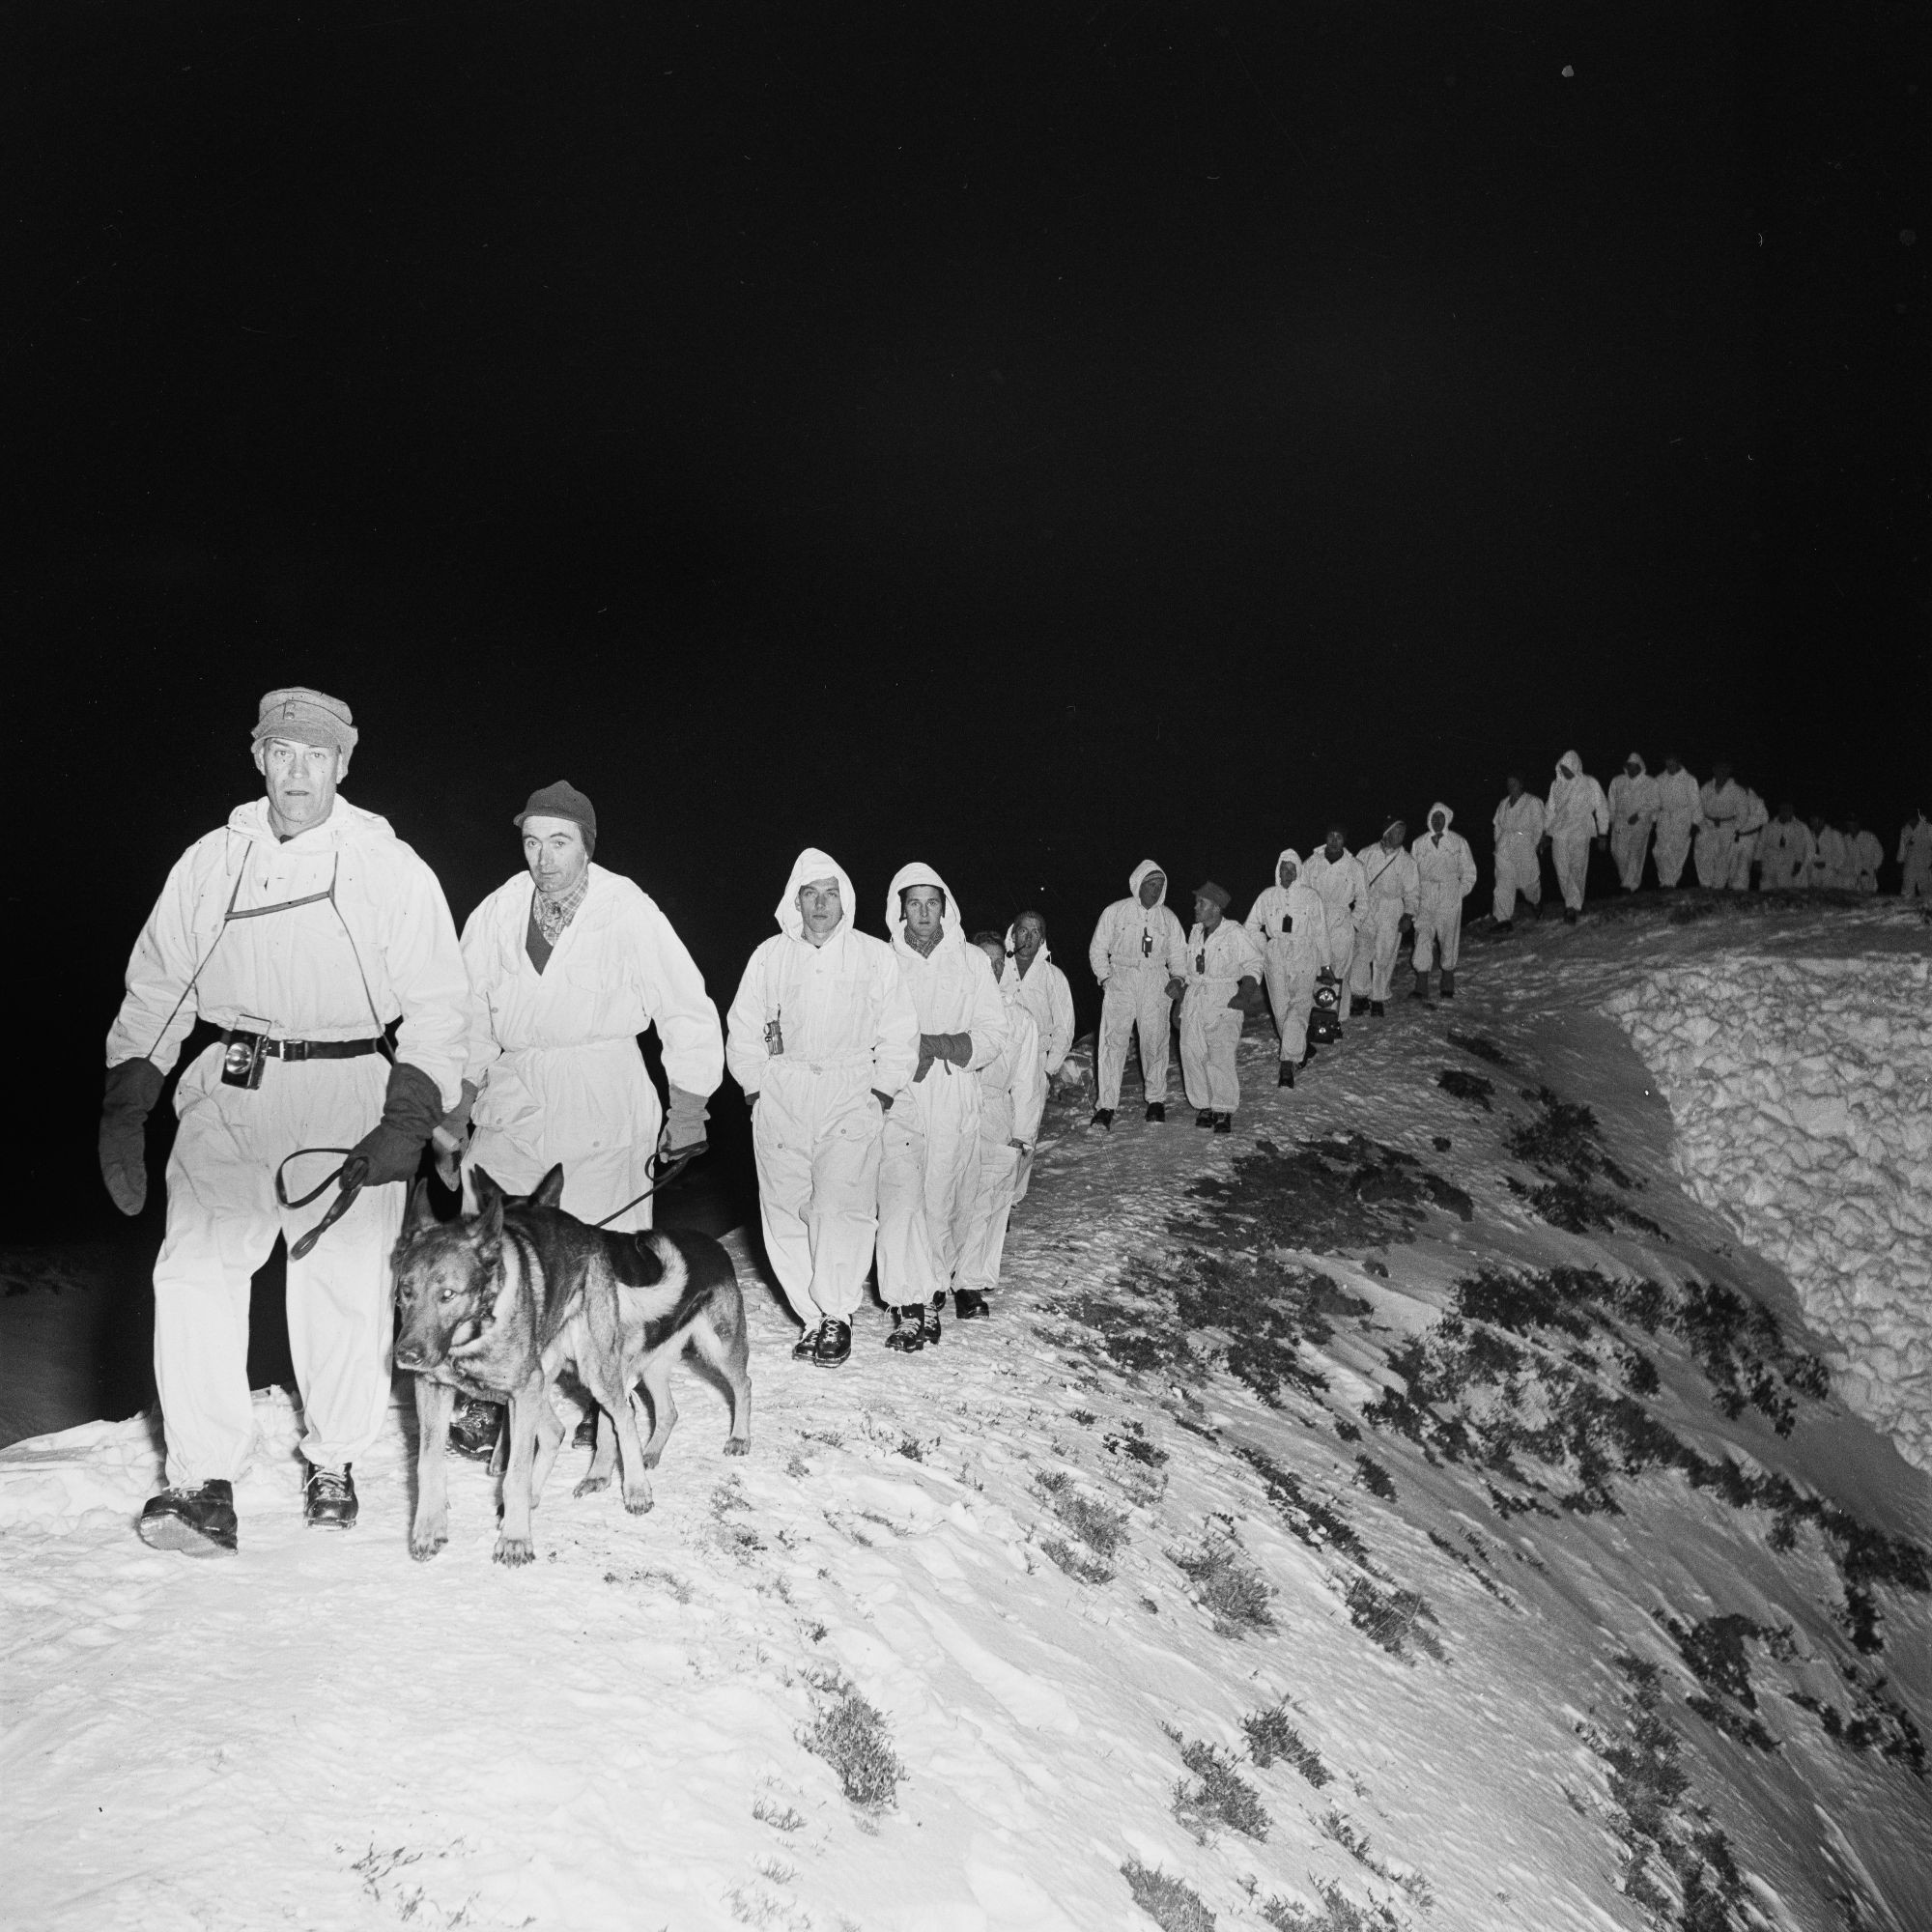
(1024, 438)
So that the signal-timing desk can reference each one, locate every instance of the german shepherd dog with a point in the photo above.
(497, 1301)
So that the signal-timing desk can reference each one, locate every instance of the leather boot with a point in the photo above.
(198, 1522)
(1448, 983)
(1421, 987)
(1285, 1078)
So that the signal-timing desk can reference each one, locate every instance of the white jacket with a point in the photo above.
(371, 939)
(1785, 852)
(1634, 800)
(842, 1010)
(1445, 867)
(556, 1052)
(1677, 799)
(1341, 884)
(1131, 936)
(1866, 855)
(1216, 964)
(1012, 1084)
(953, 990)
(1517, 828)
(1576, 807)
(1292, 922)
(1393, 880)
(1043, 991)
(1719, 805)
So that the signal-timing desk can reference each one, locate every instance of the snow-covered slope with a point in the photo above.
(1413, 1511)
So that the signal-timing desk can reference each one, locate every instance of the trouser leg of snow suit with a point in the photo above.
(1916, 882)
(1341, 958)
(929, 1173)
(1516, 871)
(1673, 847)
(1628, 844)
(1136, 996)
(1439, 927)
(222, 1222)
(1208, 1041)
(1570, 851)
(817, 1139)
(1714, 854)
(1376, 950)
(985, 1241)
(1290, 991)
(1743, 852)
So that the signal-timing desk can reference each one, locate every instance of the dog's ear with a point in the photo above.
(489, 1215)
(466, 1186)
(549, 1189)
(420, 1214)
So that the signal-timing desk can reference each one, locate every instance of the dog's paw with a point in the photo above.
(737, 1445)
(515, 1550)
(423, 1548)
(650, 1459)
(639, 1502)
(590, 1484)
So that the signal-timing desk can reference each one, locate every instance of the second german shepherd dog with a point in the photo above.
(495, 1302)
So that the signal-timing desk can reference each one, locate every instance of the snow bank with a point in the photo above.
(1801, 1093)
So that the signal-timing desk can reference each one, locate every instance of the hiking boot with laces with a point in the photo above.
(329, 1499)
(806, 1347)
(472, 1429)
(1378, 1011)
(1158, 1111)
(1285, 1078)
(908, 1335)
(1203, 1118)
(1448, 985)
(198, 1522)
(968, 1304)
(1224, 1123)
(1103, 1117)
(835, 1344)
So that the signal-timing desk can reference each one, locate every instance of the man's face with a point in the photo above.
(1151, 888)
(1438, 821)
(1029, 936)
(1514, 787)
(1392, 838)
(821, 908)
(1721, 775)
(1785, 814)
(1334, 843)
(1852, 826)
(1817, 822)
(553, 850)
(1286, 873)
(924, 915)
(1207, 914)
(996, 953)
(301, 780)
(1632, 766)
(1673, 765)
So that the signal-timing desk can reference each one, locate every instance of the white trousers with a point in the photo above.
(1209, 1037)
(1714, 854)
(1743, 852)
(1341, 960)
(1439, 928)
(1570, 851)
(1290, 976)
(928, 1174)
(222, 1224)
(986, 1242)
(1136, 996)
(1517, 871)
(1673, 847)
(1376, 948)
(1627, 845)
(817, 1139)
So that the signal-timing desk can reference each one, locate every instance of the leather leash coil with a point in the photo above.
(351, 1187)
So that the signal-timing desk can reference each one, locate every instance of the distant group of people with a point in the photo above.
(897, 1086)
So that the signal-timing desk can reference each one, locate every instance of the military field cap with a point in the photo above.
(1219, 894)
(562, 800)
(305, 717)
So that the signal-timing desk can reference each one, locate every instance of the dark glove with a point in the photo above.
(1405, 926)
(390, 1149)
(1177, 987)
(132, 1089)
(956, 1047)
(684, 1125)
(1243, 996)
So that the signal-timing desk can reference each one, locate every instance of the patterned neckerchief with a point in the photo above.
(553, 915)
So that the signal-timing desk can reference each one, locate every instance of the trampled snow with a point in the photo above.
(1095, 1562)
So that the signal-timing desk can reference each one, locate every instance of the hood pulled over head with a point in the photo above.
(1287, 856)
(950, 925)
(1636, 758)
(1448, 817)
(1139, 872)
(1570, 766)
(810, 866)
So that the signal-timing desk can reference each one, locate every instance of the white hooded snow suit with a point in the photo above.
(1634, 807)
(1784, 853)
(1042, 989)
(1576, 811)
(930, 1170)
(815, 1033)
(1290, 925)
(1211, 1030)
(1915, 857)
(328, 935)
(1718, 809)
(555, 1053)
(1830, 865)
(1013, 1095)
(1394, 891)
(1343, 887)
(1135, 951)
(1445, 876)
(1865, 856)
(1677, 809)
(1751, 820)
(1517, 832)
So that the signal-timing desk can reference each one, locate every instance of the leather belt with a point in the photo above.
(307, 1049)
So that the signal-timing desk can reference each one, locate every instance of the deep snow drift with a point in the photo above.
(1414, 1511)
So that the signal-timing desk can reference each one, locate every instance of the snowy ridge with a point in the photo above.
(1802, 1091)
(1324, 1538)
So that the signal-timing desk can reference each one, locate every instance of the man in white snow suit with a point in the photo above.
(1633, 806)
(1830, 867)
(930, 1169)
(1335, 876)
(1677, 807)
(1518, 834)
(1785, 851)
(821, 1035)
(568, 963)
(1575, 816)
(1290, 925)
(1752, 820)
(304, 929)
(1222, 979)
(1721, 800)
(1388, 916)
(1915, 857)
(1446, 870)
(1137, 948)
(1039, 985)
(1013, 1095)
(1863, 854)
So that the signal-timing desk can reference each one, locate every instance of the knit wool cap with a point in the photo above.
(305, 717)
(562, 800)
(1219, 894)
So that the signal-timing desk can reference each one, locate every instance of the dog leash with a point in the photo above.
(351, 1187)
(671, 1171)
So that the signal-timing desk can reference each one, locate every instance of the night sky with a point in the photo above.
(1028, 439)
